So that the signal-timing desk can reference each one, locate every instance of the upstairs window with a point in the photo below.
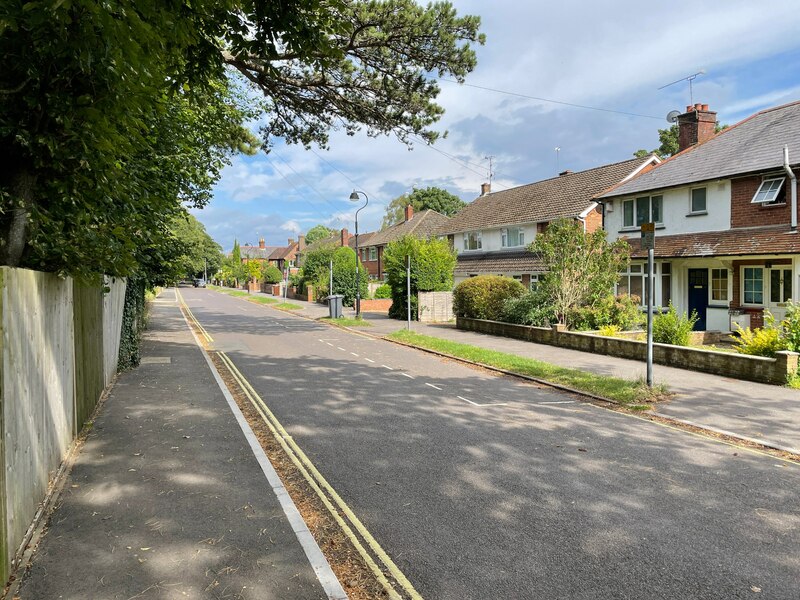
(512, 237)
(645, 209)
(373, 253)
(698, 204)
(769, 192)
(472, 240)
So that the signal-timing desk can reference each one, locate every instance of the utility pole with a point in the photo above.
(649, 242)
(408, 291)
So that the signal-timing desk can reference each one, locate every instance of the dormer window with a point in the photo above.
(472, 240)
(769, 192)
(513, 237)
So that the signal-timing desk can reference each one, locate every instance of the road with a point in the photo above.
(484, 487)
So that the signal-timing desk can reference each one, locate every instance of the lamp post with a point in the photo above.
(354, 197)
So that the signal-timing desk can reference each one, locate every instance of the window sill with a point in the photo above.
(699, 213)
(639, 228)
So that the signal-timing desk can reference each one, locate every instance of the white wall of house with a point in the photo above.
(491, 239)
(677, 214)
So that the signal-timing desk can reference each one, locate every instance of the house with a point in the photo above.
(492, 233)
(286, 256)
(258, 253)
(725, 214)
(423, 225)
(337, 240)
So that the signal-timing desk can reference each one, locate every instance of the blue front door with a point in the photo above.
(698, 296)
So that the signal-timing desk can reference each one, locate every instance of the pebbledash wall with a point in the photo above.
(59, 344)
(738, 366)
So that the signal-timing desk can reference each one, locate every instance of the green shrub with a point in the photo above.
(609, 330)
(485, 296)
(383, 291)
(791, 326)
(621, 311)
(762, 341)
(271, 274)
(673, 328)
(529, 309)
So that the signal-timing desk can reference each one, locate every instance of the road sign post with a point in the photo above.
(649, 243)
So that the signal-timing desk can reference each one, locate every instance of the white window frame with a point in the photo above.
(711, 288)
(771, 192)
(504, 237)
(633, 202)
(535, 280)
(373, 253)
(692, 209)
(763, 281)
(478, 240)
(786, 274)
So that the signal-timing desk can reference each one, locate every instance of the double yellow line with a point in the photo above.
(377, 560)
(337, 507)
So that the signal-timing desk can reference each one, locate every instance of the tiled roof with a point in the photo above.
(364, 239)
(733, 242)
(567, 195)
(333, 240)
(423, 225)
(753, 145)
(256, 251)
(284, 252)
(499, 262)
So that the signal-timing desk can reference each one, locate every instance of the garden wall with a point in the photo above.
(738, 366)
(378, 305)
(55, 360)
(435, 307)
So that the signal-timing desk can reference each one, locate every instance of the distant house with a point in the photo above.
(336, 240)
(258, 253)
(286, 257)
(422, 225)
(492, 233)
(725, 213)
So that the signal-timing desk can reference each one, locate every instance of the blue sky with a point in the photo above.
(608, 55)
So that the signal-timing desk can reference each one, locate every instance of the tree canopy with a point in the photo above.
(434, 198)
(669, 142)
(114, 117)
(318, 232)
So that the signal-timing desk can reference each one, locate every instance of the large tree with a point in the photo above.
(198, 254)
(434, 198)
(95, 162)
(668, 139)
(318, 232)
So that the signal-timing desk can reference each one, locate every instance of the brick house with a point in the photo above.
(260, 253)
(422, 225)
(286, 257)
(492, 233)
(725, 211)
(337, 240)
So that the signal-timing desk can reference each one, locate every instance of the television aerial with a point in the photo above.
(690, 79)
(672, 116)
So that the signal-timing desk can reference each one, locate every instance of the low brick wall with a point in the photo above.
(379, 305)
(738, 366)
(307, 296)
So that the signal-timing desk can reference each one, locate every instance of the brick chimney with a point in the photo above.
(695, 126)
(409, 212)
(345, 238)
(262, 243)
(301, 242)
(485, 188)
(291, 241)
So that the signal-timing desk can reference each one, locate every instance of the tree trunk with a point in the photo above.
(16, 238)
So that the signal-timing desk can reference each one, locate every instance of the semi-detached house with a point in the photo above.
(725, 211)
(492, 233)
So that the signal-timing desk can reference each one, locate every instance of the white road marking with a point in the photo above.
(329, 344)
(436, 387)
(385, 367)
(561, 402)
(476, 404)
(406, 375)
(342, 349)
(354, 354)
(369, 360)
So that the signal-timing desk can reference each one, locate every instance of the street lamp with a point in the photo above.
(354, 197)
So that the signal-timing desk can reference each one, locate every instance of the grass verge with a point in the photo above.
(347, 322)
(263, 300)
(288, 306)
(630, 393)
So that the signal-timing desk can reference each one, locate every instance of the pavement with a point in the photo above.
(169, 499)
(768, 414)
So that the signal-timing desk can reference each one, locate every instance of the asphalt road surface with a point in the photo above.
(484, 487)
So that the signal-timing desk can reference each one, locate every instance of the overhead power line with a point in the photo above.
(551, 101)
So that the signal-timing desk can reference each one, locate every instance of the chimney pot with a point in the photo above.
(689, 108)
(567, 172)
(261, 243)
(409, 212)
(695, 126)
(291, 241)
(485, 188)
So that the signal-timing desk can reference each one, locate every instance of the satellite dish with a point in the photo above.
(672, 116)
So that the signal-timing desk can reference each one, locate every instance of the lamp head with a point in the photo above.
(354, 196)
